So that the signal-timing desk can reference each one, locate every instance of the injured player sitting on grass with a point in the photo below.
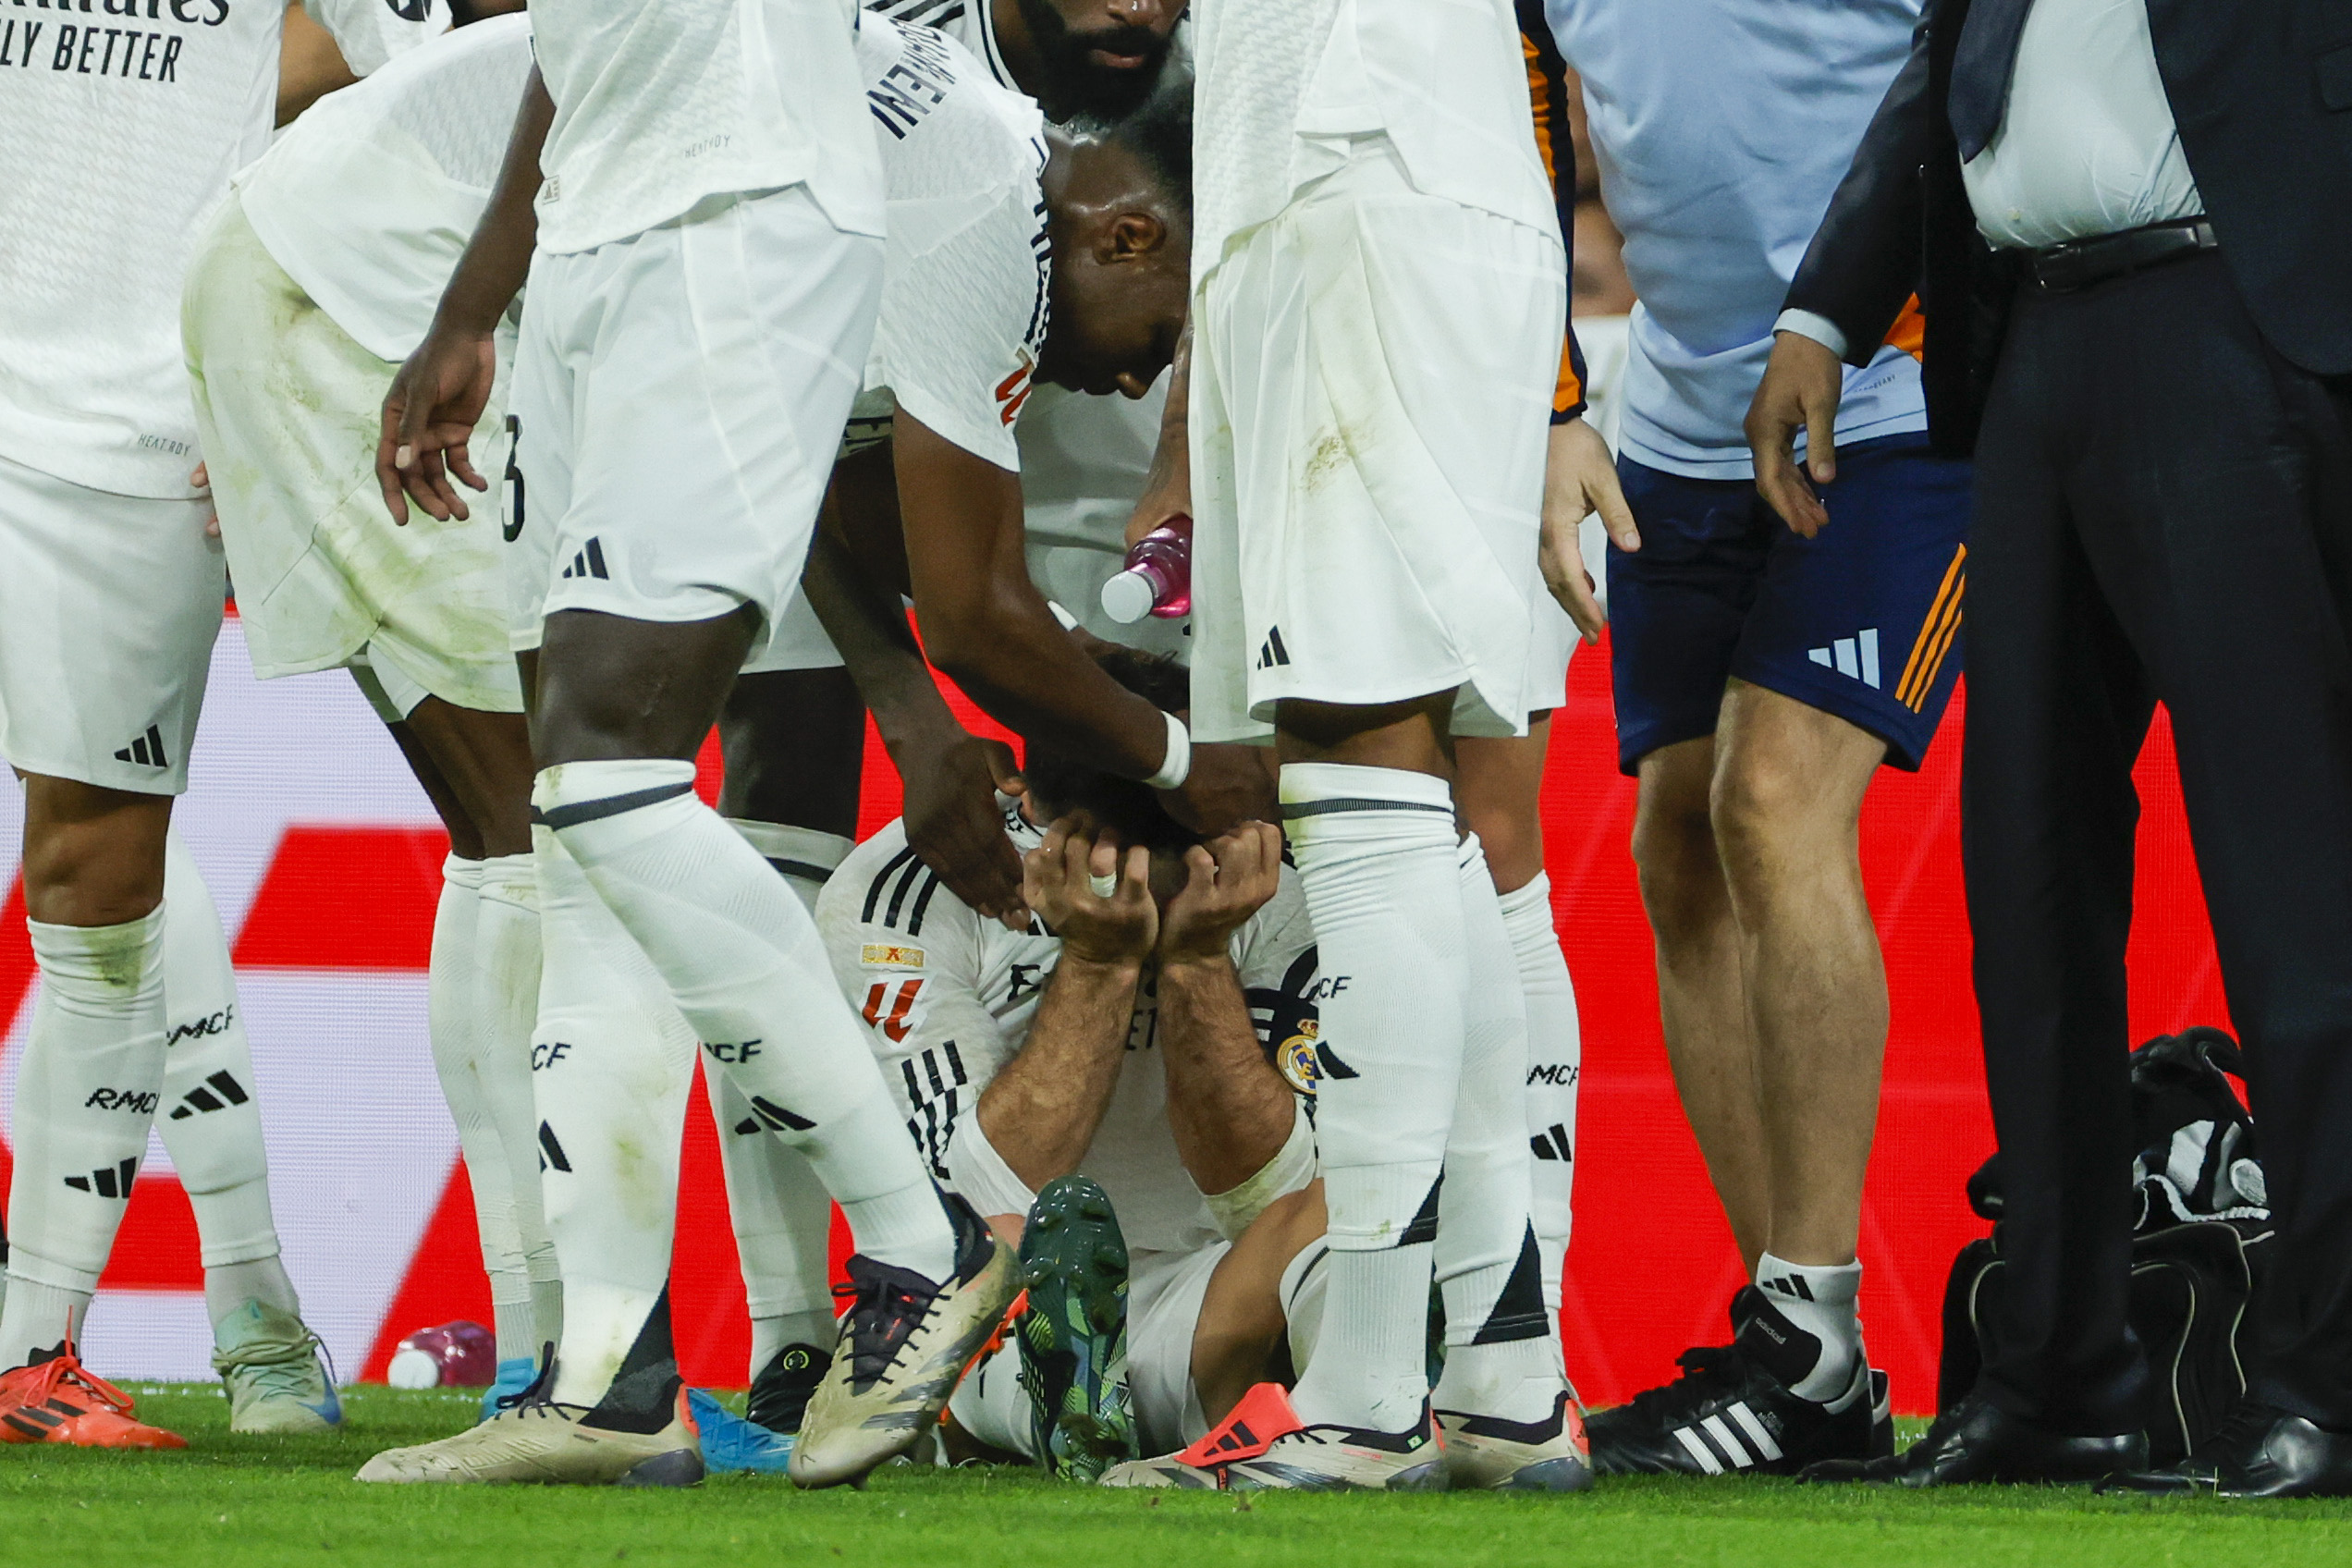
(1121, 1087)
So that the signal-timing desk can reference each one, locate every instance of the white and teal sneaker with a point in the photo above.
(274, 1371)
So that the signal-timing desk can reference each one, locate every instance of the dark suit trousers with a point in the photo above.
(2163, 513)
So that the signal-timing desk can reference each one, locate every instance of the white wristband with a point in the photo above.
(1177, 766)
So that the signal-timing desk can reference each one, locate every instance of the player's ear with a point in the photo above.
(1134, 236)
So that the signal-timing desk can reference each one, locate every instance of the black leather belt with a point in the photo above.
(2062, 269)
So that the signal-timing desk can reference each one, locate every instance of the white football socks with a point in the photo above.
(1820, 1299)
(1555, 1062)
(612, 1065)
(743, 962)
(783, 1217)
(458, 1032)
(209, 1116)
(1502, 1353)
(87, 1089)
(506, 977)
(1375, 848)
(993, 1408)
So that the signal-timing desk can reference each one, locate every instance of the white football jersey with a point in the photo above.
(971, 23)
(966, 266)
(1283, 84)
(948, 997)
(124, 124)
(369, 199)
(658, 106)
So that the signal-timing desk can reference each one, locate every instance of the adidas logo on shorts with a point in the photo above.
(589, 562)
(147, 751)
(113, 1182)
(1271, 651)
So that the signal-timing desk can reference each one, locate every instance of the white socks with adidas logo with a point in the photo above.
(87, 1088)
(1820, 1299)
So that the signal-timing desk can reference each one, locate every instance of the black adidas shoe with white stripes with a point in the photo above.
(1733, 1410)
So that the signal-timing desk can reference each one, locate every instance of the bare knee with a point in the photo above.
(93, 856)
(1499, 788)
(1788, 788)
(1674, 851)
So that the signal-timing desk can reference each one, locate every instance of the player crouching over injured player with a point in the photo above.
(1118, 1088)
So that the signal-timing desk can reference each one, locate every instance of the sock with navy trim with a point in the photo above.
(743, 962)
(1375, 848)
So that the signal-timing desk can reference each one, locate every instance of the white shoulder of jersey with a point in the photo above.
(966, 268)
(372, 32)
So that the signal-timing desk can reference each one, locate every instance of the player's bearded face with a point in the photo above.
(1104, 71)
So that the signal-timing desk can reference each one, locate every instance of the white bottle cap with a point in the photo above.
(413, 1368)
(1127, 597)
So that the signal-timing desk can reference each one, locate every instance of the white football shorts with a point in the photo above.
(679, 395)
(108, 608)
(1372, 379)
(287, 408)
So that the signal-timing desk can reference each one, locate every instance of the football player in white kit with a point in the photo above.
(306, 291)
(703, 295)
(1373, 204)
(113, 593)
(1096, 1083)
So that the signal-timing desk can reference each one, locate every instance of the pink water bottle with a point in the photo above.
(1159, 577)
(462, 1354)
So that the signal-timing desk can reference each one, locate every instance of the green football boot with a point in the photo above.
(1073, 1337)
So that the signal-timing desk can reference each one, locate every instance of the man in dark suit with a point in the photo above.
(2131, 229)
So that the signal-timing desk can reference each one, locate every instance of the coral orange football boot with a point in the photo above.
(1263, 1415)
(57, 1400)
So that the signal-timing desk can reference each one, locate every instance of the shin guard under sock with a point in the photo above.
(1502, 1355)
(505, 1002)
(209, 1116)
(1555, 1060)
(783, 1217)
(458, 1031)
(741, 959)
(613, 1064)
(88, 1086)
(1375, 848)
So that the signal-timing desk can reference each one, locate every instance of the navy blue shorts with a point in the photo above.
(1862, 621)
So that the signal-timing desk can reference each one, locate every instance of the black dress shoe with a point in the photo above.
(1976, 1440)
(2259, 1451)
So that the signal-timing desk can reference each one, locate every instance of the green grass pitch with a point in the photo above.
(247, 1501)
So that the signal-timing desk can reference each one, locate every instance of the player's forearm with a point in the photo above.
(1168, 488)
(1230, 1111)
(1000, 643)
(497, 258)
(869, 630)
(1042, 1110)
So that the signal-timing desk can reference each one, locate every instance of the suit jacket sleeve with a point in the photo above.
(1548, 95)
(1865, 261)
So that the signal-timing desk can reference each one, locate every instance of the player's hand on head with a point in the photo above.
(1091, 893)
(955, 826)
(1580, 479)
(1227, 880)
(1230, 784)
(429, 415)
(1800, 390)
